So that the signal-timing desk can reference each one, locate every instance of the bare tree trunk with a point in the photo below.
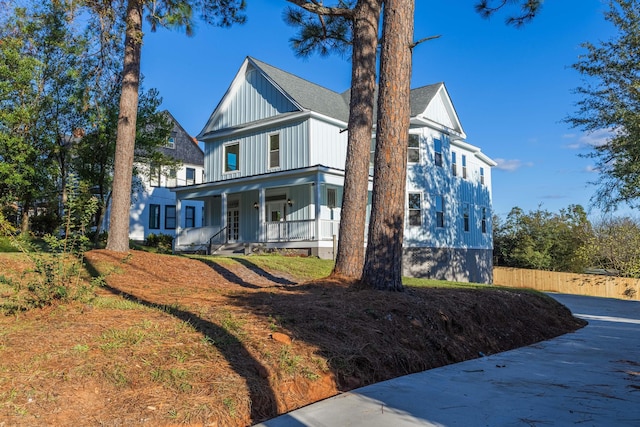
(125, 141)
(350, 256)
(383, 261)
(24, 218)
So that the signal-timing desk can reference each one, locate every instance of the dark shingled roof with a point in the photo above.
(308, 95)
(314, 97)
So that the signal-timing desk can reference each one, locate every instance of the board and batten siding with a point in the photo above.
(329, 147)
(432, 181)
(255, 99)
(254, 152)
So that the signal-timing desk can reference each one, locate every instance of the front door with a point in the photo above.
(233, 224)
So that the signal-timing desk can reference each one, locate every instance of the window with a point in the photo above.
(437, 149)
(274, 151)
(465, 216)
(191, 176)
(171, 142)
(331, 198)
(170, 217)
(454, 164)
(415, 209)
(171, 179)
(189, 216)
(413, 150)
(154, 217)
(154, 175)
(464, 166)
(232, 157)
(484, 220)
(482, 176)
(439, 211)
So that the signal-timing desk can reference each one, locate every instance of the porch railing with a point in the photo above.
(286, 231)
(196, 238)
(283, 231)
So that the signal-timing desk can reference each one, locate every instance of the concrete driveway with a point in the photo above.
(587, 378)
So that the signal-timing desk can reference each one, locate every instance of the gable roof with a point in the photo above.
(309, 96)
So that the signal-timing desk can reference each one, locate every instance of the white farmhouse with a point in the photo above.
(153, 204)
(275, 150)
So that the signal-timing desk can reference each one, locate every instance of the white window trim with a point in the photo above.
(421, 209)
(269, 151)
(224, 157)
(414, 148)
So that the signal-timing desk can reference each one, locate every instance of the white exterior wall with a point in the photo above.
(161, 195)
(431, 181)
(329, 144)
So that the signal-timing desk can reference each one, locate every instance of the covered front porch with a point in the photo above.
(297, 210)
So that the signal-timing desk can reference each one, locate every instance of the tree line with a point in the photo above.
(567, 241)
(59, 85)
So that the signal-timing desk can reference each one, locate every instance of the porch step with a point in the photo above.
(232, 249)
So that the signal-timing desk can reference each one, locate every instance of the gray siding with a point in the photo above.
(255, 99)
(254, 152)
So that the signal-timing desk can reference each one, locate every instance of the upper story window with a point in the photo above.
(454, 164)
(191, 176)
(413, 149)
(154, 175)
(482, 176)
(415, 209)
(171, 142)
(439, 211)
(437, 149)
(172, 180)
(464, 166)
(232, 157)
(274, 151)
(465, 216)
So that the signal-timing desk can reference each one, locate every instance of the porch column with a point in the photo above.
(262, 216)
(223, 214)
(317, 198)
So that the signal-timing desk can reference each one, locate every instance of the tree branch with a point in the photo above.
(319, 9)
(422, 40)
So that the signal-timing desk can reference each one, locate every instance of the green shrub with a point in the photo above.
(163, 242)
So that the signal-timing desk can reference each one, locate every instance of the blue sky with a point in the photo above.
(511, 87)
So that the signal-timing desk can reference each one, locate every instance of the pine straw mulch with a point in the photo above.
(171, 341)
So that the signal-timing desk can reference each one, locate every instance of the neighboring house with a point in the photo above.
(275, 151)
(153, 204)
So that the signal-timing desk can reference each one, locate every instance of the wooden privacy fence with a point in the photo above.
(568, 283)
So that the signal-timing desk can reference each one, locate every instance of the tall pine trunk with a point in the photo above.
(383, 260)
(125, 140)
(350, 256)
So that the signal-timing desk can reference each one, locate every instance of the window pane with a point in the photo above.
(190, 216)
(231, 157)
(437, 148)
(274, 151)
(191, 176)
(413, 151)
(414, 201)
(415, 217)
(170, 217)
(154, 216)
